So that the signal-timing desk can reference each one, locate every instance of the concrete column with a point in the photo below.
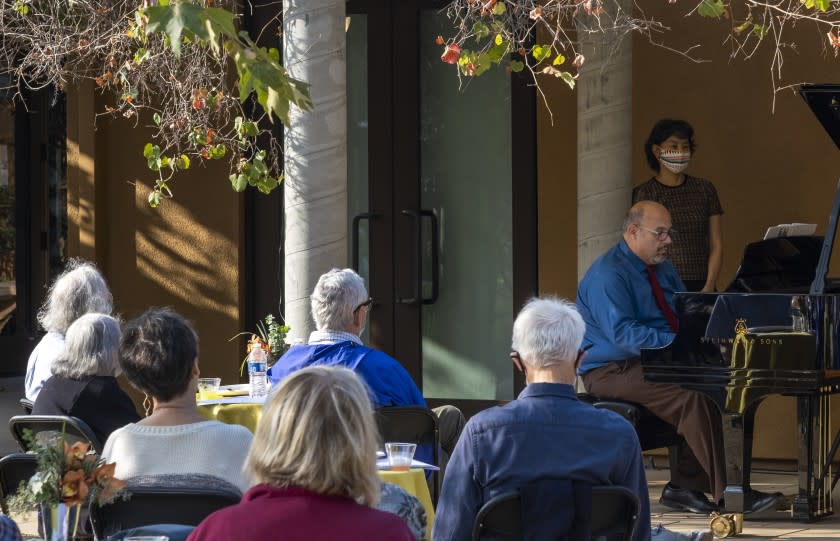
(605, 120)
(316, 154)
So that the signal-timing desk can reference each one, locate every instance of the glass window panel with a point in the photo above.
(466, 180)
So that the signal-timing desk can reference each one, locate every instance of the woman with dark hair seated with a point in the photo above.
(83, 382)
(159, 356)
(314, 462)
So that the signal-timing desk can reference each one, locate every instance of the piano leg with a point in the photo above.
(738, 435)
(815, 455)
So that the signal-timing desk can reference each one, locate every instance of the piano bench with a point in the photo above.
(653, 432)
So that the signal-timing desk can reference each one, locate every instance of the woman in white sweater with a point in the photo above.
(159, 356)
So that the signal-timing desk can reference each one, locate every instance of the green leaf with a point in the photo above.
(498, 40)
(149, 149)
(248, 129)
(141, 55)
(156, 117)
(182, 162)
(497, 53)
(759, 30)
(541, 52)
(499, 8)
(186, 21)
(239, 182)
(154, 199)
(217, 151)
(516, 66)
(568, 78)
(559, 59)
(166, 162)
(480, 31)
(711, 8)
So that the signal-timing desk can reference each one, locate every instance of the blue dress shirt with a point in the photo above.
(546, 433)
(617, 304)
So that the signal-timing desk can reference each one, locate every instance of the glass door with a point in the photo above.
(433, 197)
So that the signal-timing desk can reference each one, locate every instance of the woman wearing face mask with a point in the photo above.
(693, 203)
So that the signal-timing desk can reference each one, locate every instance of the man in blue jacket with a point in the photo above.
(340, 306)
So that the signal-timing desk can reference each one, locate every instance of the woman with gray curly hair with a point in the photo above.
(77, 291)
(84, 383)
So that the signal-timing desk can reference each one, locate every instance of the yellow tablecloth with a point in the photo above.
(248, 415)
(414, 482)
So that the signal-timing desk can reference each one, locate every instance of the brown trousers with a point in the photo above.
(701, 465)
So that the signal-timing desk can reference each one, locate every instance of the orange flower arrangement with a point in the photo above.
(68, 474)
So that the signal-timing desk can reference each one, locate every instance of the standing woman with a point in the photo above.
(693, 203)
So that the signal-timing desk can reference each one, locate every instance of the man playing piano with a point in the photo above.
(626, 300)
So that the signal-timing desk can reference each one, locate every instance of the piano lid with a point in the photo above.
(824, 101)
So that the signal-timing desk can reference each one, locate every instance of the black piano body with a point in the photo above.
(776, 330)
(739, 348)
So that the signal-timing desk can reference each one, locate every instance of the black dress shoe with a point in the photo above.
(684, 499)
(758, 501)
(762, 501)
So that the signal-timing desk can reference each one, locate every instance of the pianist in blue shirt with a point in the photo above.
(626, 300)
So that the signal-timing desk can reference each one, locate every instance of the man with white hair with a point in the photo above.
(546, 434)
(79, 290)
(340, 306)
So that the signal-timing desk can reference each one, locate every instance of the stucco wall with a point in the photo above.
(186, 254)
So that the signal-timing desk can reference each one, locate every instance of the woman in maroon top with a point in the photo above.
(314, 461)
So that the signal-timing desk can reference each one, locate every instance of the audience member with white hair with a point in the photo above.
(544, 437)
(340, 307)
(313, 460)
(84, 383)
(79, 290)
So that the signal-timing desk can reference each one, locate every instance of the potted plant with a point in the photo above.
(270, 336)
(68, 478)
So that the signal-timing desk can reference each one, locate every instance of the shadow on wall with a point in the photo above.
(186, 258)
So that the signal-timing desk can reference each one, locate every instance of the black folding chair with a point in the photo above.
(49, 428)
(14, 469)
(26, 405)
(614, 516)
(149, 505)
(412, 425)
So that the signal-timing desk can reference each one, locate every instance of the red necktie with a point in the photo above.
(659, 295)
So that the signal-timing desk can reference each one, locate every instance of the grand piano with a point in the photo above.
(776, 330)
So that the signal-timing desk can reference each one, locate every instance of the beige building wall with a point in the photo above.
(186, 254)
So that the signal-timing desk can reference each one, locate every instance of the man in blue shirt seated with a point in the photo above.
(545, 434)
(340, 306)
(626, 300)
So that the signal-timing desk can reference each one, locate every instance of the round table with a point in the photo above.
(247, 412)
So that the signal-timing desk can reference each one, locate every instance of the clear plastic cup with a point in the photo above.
(208, 388)
(400, 455)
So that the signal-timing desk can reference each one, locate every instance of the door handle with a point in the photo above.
(355, 235)
(435, 251)
(418, 261)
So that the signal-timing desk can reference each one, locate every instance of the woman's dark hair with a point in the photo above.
(157, 353)
(662, 130)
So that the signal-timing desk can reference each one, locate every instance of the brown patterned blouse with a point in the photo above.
(691, 204)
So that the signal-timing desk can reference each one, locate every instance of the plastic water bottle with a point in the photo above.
(257, 373)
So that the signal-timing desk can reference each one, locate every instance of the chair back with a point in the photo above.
(612, 516)
(185, 503)
(413, 425)
(49, 428)
(14, 469)
(26, 405)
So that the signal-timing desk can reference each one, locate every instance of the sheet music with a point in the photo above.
(790, 230)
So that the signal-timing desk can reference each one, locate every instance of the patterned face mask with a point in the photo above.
(675, 160)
